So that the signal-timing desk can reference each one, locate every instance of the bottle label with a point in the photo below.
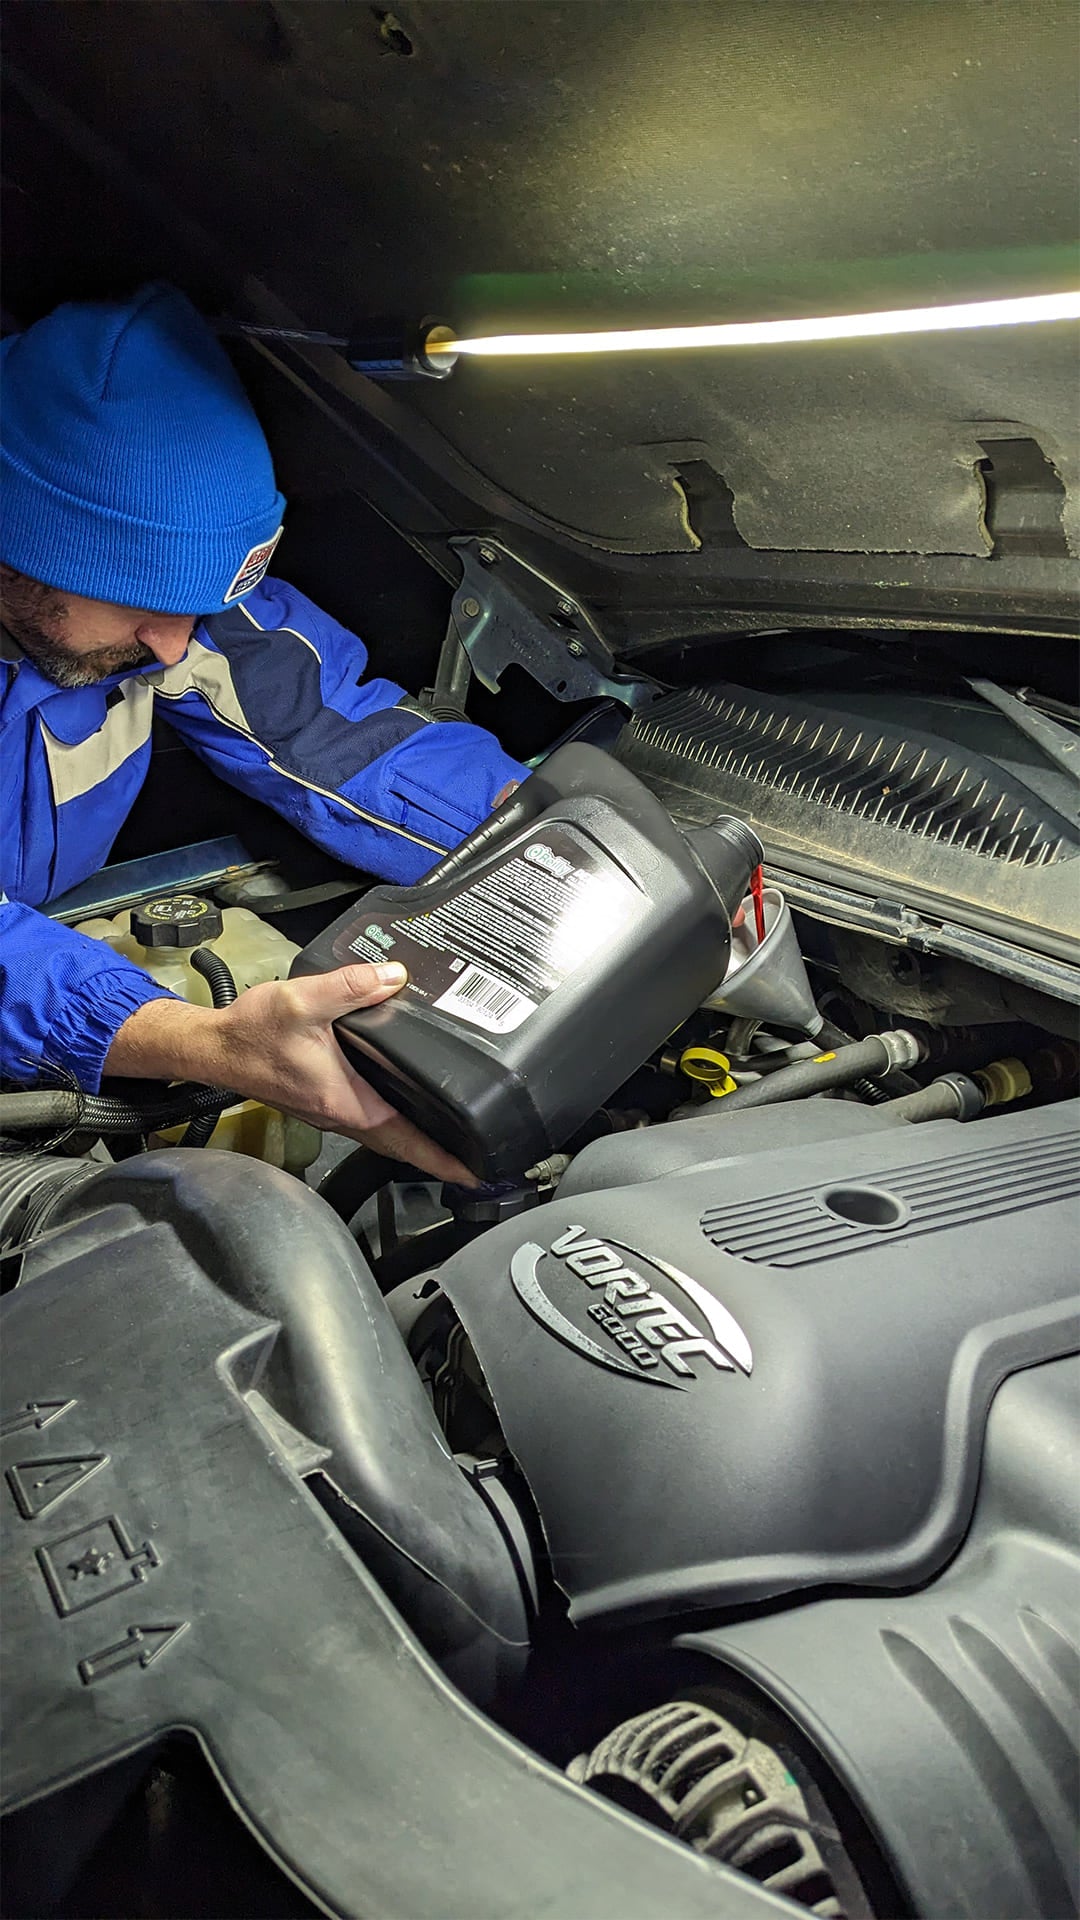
(492, 954)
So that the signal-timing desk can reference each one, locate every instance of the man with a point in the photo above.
(140, 514)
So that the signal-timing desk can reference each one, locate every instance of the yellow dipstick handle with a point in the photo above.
(710, 1068)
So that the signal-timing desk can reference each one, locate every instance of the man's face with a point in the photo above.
(76, 642)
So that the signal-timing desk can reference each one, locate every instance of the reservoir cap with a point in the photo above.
(176, 920)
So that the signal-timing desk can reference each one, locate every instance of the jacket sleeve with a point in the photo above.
(63, 998)
(273, 696)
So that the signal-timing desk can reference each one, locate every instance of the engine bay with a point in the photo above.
(607, 1475)
(682, 1523)
(584, 1493)
(649, 1472)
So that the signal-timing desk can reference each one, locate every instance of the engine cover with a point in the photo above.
(766, 1371)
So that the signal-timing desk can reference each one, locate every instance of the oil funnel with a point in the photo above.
(767, 981)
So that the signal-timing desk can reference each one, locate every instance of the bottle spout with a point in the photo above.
(729, 851)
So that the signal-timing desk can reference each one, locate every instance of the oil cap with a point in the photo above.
(176, 920)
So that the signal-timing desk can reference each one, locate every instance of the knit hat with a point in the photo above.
(133, 468)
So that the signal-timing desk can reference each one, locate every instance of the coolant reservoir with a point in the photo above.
(160, 936)
(259, 1131)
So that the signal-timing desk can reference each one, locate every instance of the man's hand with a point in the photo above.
(276, 1043)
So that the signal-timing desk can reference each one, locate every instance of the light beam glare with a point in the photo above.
(766, 333)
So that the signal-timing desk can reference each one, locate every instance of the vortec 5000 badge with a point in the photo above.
(648, 1336)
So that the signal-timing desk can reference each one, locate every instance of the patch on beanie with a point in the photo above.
(252, 568)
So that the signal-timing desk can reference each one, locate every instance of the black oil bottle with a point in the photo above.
(548, 956)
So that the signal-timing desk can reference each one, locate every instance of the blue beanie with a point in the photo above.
(133, 468)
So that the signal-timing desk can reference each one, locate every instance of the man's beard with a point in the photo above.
(67, 669)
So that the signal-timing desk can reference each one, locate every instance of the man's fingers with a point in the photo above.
(326, 996)
(399, 1139)
(381, 1126)
(327, 1089)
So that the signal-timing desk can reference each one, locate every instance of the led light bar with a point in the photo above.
(766, 333)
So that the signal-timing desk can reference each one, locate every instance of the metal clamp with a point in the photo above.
(902, 1049)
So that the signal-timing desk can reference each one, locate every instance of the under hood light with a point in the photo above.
(765, 333)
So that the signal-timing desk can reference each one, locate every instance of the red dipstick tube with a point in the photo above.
(757, 888)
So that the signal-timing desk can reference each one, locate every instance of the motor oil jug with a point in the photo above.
(548, 956)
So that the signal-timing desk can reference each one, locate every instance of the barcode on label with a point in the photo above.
(478, 997)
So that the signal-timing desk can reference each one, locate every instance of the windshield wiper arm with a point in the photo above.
(1057, 742)
(1057, 709)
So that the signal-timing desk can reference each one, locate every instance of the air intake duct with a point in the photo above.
(339, 1386)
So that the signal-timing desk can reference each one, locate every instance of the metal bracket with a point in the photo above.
(505, 613)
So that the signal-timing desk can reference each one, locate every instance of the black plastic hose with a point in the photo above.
(879, 1053)
(875, 1095)
(359, 1175)
(63, 1110)
(54, 1111)
(222, 992)
(953, 1097)
(872, 1092)
(216, 974)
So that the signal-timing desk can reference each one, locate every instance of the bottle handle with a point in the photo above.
(515, 812)
(577, 768)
